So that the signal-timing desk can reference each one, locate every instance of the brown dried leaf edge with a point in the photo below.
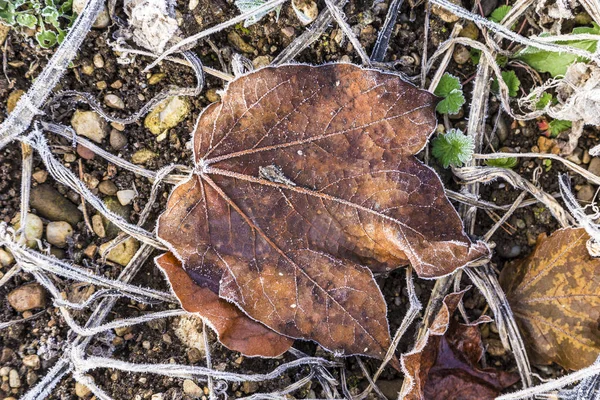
(303, 177)
(443, 364)
(555, 296)
(234, 329)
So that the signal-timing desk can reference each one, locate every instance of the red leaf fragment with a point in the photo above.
(305, 176)
(235, 330)
(444, 363)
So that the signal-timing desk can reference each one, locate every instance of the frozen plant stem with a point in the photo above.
(341, 20)
(31, 102)
(506, 33)
(64, 175)
(194, 38)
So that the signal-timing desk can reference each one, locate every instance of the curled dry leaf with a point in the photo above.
(444, 362)
(235, 330)
(305, 176)
(555, 296)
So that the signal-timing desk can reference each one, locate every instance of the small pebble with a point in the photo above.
(586, 157)
(288, 31)
(470, 31)
(6, 259)
(240, 44)
(90, 180)
(4, 371)
(155, 78)
(89, 124)
(101, 85)
(87, 69)
(116, 84)
(108, 188)
(306, 10)
(191, 389)
(98, 61)
(212, 96)
(594, 166)
(249, 387)
(40, 176)
(142, 156)
(167, 114)
(122, 253)
(85, 153)
(261, 61)
(444, 14)
(27, 297)
(146, 345)
(461, 55)
(117, 140)
(157, 396)
(58, 233)
(33, 231)
(13, 379)
(52, 205)
(126, 196)
(586, 193)
(81, 390)
(32, 361)
(31, 378)
(102, 20)
(114, 101)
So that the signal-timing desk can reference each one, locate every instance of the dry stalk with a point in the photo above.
(30, 103)
(314, 31)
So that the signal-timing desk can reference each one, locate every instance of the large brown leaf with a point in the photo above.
(304, 175)
(235, 330)
(555, 296)
(444, 363)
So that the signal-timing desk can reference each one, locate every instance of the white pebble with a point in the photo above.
(125, 196)
(57, 233)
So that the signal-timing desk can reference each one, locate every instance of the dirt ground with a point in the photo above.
(156, 342)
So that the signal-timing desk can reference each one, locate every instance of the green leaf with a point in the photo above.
(46, 39)
(508, 163)
(543, 101)
(475, 55)
(451, 90)
(453, 148)
(499, 13)
(8, 15)
(27, 20)
(511, 80)
(557, 126)
(447, 84)
(50, 15)
(557, 63)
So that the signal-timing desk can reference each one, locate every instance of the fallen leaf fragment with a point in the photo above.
(303, 177)
(235, 330)
(555, 297)
(444, 364)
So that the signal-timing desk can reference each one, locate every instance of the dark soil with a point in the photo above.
(156, 342)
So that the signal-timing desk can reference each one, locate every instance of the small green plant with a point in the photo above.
(49, 19)
(451, 91)
(511, 80)
(508, 162)
(499, 13)
(557, 63)
(453, 148)
(544, 100)
(557, 126)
